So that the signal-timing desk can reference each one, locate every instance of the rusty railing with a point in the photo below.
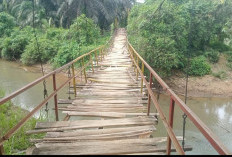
(174, 99)
(93, 56)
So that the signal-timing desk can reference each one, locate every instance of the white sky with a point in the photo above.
(141, 1)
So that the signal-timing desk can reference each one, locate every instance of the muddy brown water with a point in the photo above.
(216, 113)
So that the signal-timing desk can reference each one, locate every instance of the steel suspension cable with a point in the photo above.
(38, 51)
(187, 73)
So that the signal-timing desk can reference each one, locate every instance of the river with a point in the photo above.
(216, 113)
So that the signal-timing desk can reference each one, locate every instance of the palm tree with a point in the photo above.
(103, 12)
(63, 12)
(22, 10)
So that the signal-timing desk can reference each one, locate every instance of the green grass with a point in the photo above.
(10, 115)
(221, 75)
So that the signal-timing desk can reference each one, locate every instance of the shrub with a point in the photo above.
(67, 52)
(12, 47)
(48, 49)
(219, 46)
(7, 23)
(84, 31)
(213, 56)
(220, 74)
(56, 33)
(9, 117)
(199, 66)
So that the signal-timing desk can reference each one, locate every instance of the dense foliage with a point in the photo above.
(7, 23)
(55, 45)
(61, 13)
(177, 29)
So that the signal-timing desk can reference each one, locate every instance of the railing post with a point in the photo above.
(74, 80)
(171, 115)
(91, 60)
(101, 54)
(55, 97)
(142, 79)
(83, 64)
(96, 57)
(149, 98)
(137, 74)
(2, 150)
(133, 55)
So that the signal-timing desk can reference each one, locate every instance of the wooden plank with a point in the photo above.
(103, 137)
(99, 131)
(106, 114)
(93, 90)
(108, 105)
(64, 125)
(127, 110)
(108, 85)
(109, 101)
(100, 88)
(114, 147)
(113, 122)
(109, 94)
(65, 101)
(109, 82)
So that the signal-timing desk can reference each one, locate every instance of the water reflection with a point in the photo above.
(216, 113)
(14, 77)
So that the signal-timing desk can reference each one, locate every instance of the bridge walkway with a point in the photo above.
(108, 115)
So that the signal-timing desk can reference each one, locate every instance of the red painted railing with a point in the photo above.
(136, 58)
(97, 54)
(174, 99)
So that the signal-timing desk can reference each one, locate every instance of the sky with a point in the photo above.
(141, 1)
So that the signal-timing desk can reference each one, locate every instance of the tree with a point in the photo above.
(7, 23)
(164, 36)
(63, 12)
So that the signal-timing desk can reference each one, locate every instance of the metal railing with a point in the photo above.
(174, 99)
(93, 56)
(136, 58)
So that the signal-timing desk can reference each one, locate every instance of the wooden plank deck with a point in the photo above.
(112, 94)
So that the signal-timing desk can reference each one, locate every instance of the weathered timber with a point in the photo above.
(99, 131)
(106, 114)
(115, 147)
(113, 93)
(72, 125)
(65, 101)
(103, 137)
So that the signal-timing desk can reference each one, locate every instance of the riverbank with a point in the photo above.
(218, 84)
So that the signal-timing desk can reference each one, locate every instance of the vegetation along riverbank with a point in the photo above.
(182, 37)
(9, 117)
(174, 37)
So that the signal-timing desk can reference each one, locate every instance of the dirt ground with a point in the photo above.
(206, 86)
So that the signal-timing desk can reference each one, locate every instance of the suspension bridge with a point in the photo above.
(111, 110)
